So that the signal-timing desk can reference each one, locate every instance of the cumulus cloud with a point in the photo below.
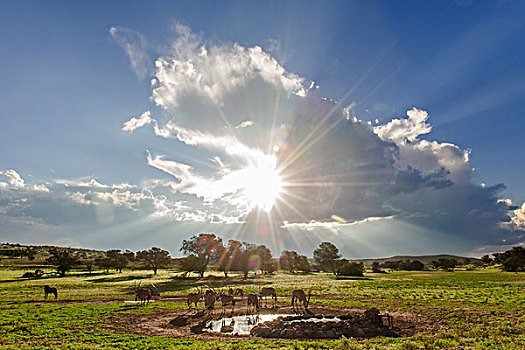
(210, 72)
(406, 129)
(517, 221)
(241, 120)
(238, 106)
(14, 178)
(135, 123)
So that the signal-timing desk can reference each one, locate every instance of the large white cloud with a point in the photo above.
(236, 113)
(209, 73)
(14, 178)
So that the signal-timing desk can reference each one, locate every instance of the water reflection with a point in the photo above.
(240, 324)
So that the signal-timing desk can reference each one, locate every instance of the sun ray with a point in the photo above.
(274, 119)
(282, 200)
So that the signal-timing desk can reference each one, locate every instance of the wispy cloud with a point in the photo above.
(135, 45)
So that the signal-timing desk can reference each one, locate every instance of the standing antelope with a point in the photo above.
(268, 292)
(155, 294)
(194, 298)
(145, 294)
(253, 299)
(209, 301)
(226, 299)
(239, 292)
(299, 296)
(230, 291)
(50, 290)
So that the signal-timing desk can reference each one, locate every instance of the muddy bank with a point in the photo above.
(190, 323)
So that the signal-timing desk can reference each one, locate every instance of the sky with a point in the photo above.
(385, 127)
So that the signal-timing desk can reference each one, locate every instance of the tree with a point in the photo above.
(228, 256)
(104, 263)
(391, 264)
(154, 258)
(206, 247)
(117, 260)
(303, 264)
(513, 259)
(415, 265)
(265, 259)
(88, 264)
(445, 263)
(288, 260)
(292, 262)
(349, 268)
(376, 267)
(327, 256)
(487, 260)
(62, 259)
(188, 264)
(246, 259)
(31, 253)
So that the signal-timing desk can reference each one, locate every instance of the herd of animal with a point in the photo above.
(212, 297)
(253, 300)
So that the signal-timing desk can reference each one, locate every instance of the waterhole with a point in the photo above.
(240, 324)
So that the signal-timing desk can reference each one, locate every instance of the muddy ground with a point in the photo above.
(157, 322)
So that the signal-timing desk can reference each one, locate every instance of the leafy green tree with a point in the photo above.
(514, 264)
(62, 259)
(117, 260)
(487, 260)
(513, 259)
(207, 247)
(104, 263)
(376, 267)
(303, 264)
(391, 264)
(288, 260)
(154, 258)
(327, 256)
(415, 265)
(190, 263)
(31, 253)
(349, 268)
(246, 259)
(228, 255)
(266, 259)
(445, 263)
(88, 264)
(292, 261)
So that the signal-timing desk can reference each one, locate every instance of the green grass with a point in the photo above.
(475, 309)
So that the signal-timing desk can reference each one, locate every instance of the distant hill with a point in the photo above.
(19, 254)
(425, 259)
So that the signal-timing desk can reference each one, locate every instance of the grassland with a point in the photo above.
(480, 309)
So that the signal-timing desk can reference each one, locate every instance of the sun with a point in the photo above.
(261, 186)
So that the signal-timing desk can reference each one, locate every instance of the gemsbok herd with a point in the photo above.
(212, 297)
(253, 300)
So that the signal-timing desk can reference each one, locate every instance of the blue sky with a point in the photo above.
(323, 102)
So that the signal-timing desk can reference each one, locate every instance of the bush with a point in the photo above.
(347, 268)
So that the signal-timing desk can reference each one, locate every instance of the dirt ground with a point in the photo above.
(157, 323)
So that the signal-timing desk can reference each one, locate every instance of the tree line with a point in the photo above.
(206, 251)
(512, 260)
